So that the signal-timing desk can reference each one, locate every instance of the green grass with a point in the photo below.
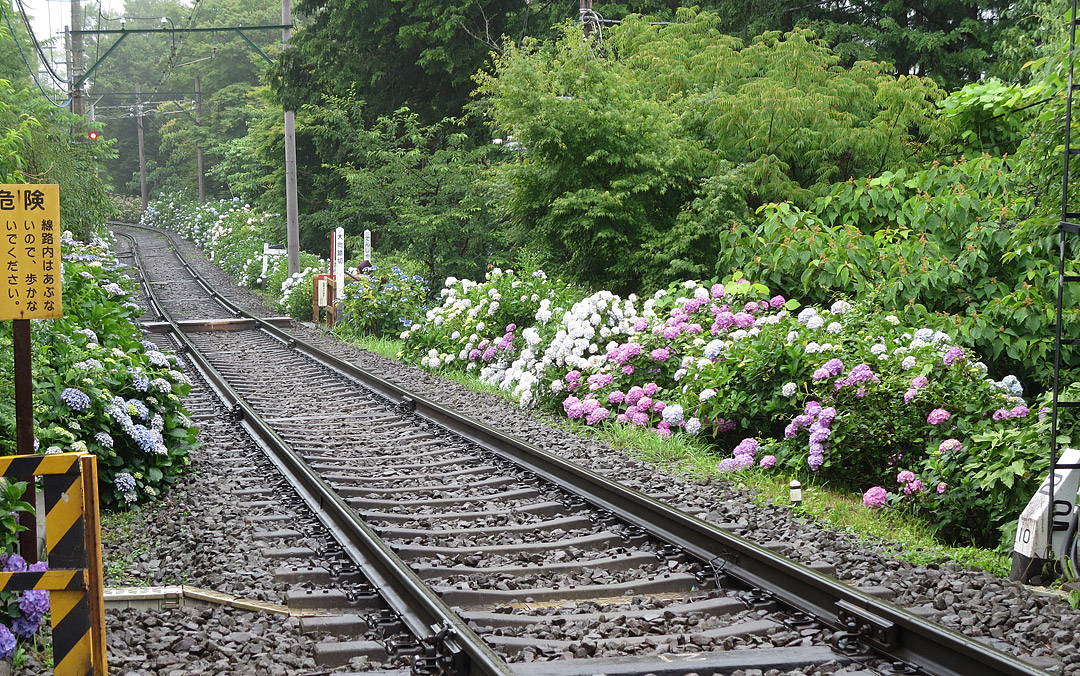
(895, 532)
(127, 528)
(384, 346)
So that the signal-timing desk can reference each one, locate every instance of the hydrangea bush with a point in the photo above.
(382, 302)
(100, 387)
(21, 613)
(851, 394)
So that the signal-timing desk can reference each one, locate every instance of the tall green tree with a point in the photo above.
(620, 144)
(952, 41)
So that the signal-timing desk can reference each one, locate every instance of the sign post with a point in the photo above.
(367, 245)
(30, 264)
(339, 263)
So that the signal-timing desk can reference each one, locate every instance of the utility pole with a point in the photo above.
(198, 142)
(76, 57)
(142, 153)
(292, 218)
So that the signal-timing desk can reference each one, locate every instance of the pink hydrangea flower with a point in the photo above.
(875, 497)
(905, 477)
(950, 445)
(717, 291)
(650, 389)
(938, 416)
(941, 487)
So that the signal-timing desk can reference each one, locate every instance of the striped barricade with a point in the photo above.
(73, 540)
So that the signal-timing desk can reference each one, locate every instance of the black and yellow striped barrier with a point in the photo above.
(73, 540)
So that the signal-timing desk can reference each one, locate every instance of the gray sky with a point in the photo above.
(51, 16)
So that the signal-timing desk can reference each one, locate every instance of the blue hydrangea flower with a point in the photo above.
(146, 439)
(161, 385)
(103, 439)
(89, 333)
(124, 482)
(139, 381)
(673, 414)
(76, 399)
(157, 358)
(137, 408)
(113, 289)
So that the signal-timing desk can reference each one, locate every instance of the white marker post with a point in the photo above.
(339, 263)
(367, 245)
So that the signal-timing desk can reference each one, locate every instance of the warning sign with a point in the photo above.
(30, 251)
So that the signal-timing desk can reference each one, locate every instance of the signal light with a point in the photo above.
(93, 135)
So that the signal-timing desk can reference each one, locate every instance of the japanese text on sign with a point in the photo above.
(30, 251)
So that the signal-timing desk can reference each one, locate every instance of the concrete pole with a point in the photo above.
(292, 218)
(142, 153)
(77, 104)
(198, 144)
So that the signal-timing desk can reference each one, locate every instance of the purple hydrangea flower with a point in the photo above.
(616, 397)
(905, 477)
(748, 446)
(941, 487)
(953, 355)
(660, 354)
(572, 376)
(777, 302)
(7, 642)
(768, 460)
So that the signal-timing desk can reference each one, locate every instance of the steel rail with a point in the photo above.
(880, 626)
(419, 607)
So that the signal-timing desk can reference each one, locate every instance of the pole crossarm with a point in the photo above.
(124, 32)
(206, 29)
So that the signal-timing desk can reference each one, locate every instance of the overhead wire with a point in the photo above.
(37, 45)
(26, 62)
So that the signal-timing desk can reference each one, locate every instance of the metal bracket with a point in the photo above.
(407, 404)
(867, 627)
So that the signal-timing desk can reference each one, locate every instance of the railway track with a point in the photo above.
(499, 558)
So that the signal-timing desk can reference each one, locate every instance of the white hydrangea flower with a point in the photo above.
(834, 327)
(814, 323)
(707, 394)
(908, 363)
(789, 389)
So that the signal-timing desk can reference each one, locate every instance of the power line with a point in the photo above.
(37, 45)
(26, 62)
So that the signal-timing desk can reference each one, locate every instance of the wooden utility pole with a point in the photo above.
(142, 152)
(198, 142)
(292, 219)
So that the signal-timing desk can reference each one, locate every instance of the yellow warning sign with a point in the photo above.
(30, 251)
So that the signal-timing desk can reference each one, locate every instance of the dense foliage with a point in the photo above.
(626, 147)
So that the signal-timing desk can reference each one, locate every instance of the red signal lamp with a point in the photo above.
(93, 135)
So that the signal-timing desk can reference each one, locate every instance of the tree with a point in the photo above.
(952, 42)
(620, 140)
